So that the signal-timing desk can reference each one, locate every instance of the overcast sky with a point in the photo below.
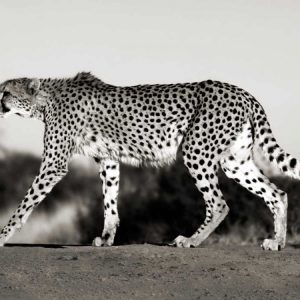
(254, 44)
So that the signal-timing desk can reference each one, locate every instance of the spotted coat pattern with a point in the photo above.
(216, 124)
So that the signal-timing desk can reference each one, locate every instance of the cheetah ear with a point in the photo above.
(33, 86)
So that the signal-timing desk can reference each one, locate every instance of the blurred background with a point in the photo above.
(252, 44)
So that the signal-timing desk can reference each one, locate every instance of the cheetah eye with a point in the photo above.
(6, 94)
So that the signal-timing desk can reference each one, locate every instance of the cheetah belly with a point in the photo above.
(99, 148)
(155, 157)
(103, 148)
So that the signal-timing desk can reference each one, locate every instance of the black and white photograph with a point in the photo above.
(150, 149)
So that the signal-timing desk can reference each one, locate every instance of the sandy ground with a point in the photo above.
(148, 272)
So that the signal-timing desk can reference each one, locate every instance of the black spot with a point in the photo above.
(280, 158)
(106, 236)
(293, 163)
(271, 149)
(204, 189)
(199, 177)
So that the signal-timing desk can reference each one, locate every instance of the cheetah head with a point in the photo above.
(19, 96)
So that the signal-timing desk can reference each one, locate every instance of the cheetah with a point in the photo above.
(216, 125)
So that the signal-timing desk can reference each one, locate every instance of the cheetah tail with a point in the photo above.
(266, 141)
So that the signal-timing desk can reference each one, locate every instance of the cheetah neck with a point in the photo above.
(42, 99)
(46, 95)
(50, 86)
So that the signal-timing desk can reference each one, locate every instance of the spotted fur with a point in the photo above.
(216, 125)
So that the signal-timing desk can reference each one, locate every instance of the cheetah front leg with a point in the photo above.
(110, 176)
(42, 185)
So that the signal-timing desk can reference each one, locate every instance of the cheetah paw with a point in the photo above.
(100, 242)
(97, 242)
(271, 245)
(182, 242)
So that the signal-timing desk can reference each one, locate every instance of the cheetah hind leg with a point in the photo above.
(216, 208)
(250, 177)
